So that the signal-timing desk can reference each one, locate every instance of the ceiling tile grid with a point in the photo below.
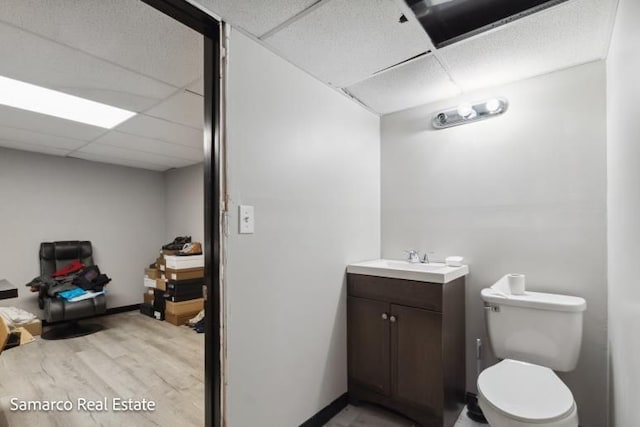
(163, 130)
(115, 160)
(418, 82)
(113, 152)
(185, 108)
(571, 33)
(36, 148)
(43, 124)
(46, 63)
(342, 42)
(256, 16)
(152, 146)
(39, 139)
(125, 32)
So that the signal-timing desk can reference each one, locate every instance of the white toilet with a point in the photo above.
(535, 334)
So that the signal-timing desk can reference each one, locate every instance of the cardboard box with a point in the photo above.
(155, 284)
(149, 283)
(147, 298)
(185, 274)
(16, 337)
(34, 327)
(152, 273)
(4, 334)
(184, 262)
(180, 319)
(148, 310)
(184, 307)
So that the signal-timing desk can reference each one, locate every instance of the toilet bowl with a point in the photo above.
(520, 394)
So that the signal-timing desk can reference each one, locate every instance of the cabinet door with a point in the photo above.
(368, 342)
(416, 356)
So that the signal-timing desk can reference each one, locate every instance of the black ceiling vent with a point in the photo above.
(449, 21)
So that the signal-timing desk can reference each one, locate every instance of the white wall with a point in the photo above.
(307, 158)
(524, 192)
(184, 203)
(47, 198)
(623, 204)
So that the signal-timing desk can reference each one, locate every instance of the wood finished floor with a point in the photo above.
(133, 357)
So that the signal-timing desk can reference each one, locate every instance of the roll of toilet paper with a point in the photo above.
(516, 283)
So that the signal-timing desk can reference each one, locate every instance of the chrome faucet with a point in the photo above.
(413, 256)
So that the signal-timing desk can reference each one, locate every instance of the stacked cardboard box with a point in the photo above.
(174, 288)
(185, 278)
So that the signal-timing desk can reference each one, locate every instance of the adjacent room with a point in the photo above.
(405, 213)
(101, 168)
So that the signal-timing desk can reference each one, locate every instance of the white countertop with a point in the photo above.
(434, 272)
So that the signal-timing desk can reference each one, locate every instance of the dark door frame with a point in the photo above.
(209, 27)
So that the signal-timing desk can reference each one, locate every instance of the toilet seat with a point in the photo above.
(525, 392)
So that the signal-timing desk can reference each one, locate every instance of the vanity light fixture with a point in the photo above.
(26, 96)
(467, 113)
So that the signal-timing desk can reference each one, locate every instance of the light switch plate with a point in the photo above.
(246, 219)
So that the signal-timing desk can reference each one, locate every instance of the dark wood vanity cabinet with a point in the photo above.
(406, 346)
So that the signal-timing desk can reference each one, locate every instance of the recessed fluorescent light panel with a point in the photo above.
(26, 96)
(448, 21)
(467, 113)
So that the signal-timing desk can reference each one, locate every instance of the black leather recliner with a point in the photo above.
(53, 257)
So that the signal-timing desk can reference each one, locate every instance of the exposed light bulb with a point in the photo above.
(492, 105)
(466, 110)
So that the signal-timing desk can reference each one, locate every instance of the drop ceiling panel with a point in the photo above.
(418, 82)
(153, 146)
(183, 108)
(125, 32)
(39, 139)
(569, 34)
(346, 41)
(113, 153)
(256, 16)
(42, 62)
(101, 158)
(33, 147)
(197, 87)
(43, 124)
(154, 128)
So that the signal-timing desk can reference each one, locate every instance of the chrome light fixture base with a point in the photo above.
(467, 113)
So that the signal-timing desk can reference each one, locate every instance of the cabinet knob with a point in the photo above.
(385, 316)
(392, 319)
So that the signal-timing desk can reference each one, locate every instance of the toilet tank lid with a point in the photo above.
(535, 300)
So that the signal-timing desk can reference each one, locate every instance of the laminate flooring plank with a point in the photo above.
(133, 357)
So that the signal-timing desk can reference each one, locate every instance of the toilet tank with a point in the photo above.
(540, 328)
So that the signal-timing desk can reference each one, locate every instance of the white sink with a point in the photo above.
(434, 272)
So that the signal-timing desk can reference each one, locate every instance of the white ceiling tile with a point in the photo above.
(418, 82)
(346, 41)
(133, 155)
(256, 16)
(153, 146)
(184, 108)
(125, 32)
(41, 123)
(101, 158)
(197, 87)
(33, 147)
(154, 128)
(36, 60)
(29, 137)
(569, 34)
